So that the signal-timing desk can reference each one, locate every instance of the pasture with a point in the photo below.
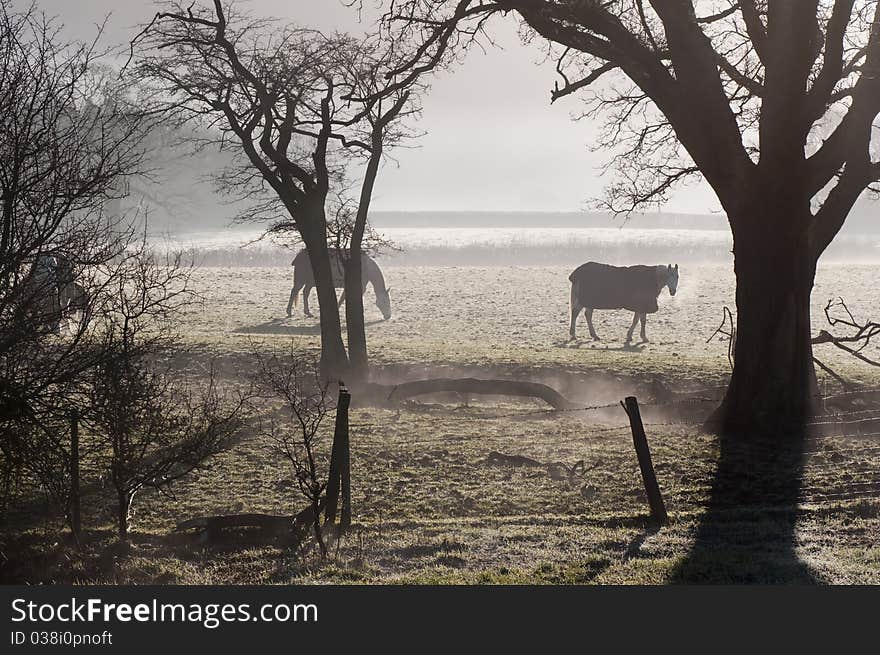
(487, 490)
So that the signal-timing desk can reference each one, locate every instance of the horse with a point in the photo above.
(55, 294)
(602, 286)
(43, 289)
(74, 299)
(304, 278)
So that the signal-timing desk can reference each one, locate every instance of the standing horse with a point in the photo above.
(636, 288)
(54, 293)
(304, 279)
(43, 290)
(74, 300)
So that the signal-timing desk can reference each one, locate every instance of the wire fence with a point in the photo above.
(829, 444)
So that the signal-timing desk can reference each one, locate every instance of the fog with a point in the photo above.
(492, 140)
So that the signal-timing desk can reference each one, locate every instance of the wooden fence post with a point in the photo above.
(640, 441)
(345, 465)
(75, 519)
(339, 459)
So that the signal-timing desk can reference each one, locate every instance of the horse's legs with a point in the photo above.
(306, 291)
(589, 314)
(341, 298)
(574, 308)
(293, 292)
(644, 338)
(629, 334)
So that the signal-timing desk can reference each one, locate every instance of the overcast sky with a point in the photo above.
(493, 140)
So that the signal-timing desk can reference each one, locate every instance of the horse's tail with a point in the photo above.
(295, 299)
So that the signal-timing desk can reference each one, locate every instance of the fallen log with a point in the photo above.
(294, 526)
(269, 522)
(480, 387)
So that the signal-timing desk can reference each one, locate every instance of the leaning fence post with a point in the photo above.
(75, 520)
(640, 441)
(338, 459)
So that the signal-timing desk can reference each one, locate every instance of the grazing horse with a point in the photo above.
(601, 286)
(304, 278)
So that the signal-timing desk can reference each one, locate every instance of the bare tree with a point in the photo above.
(70, 137)
(290, 99)
(285, 97)
(735, 92)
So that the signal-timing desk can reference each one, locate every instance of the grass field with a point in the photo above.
(483, 491)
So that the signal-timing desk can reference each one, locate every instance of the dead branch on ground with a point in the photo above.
(839, 315)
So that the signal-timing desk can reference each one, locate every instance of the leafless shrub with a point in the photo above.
(154, 430)
(151, 427)
(301, 399)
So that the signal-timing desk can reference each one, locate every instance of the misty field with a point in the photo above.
(511, 316)
(487, 489)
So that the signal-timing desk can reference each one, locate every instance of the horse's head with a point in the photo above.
(672, 279)
(383, 302)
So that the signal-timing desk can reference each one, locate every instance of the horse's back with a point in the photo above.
(603, 286)
(302, 267)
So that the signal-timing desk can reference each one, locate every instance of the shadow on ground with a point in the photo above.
(279, 326)
(747, 534)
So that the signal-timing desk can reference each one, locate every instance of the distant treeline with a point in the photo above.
(486, 254)
(181, 197)
(450, 219)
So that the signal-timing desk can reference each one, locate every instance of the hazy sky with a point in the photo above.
(493, 140)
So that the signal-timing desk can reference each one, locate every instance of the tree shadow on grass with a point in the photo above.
(748, 532)
(279, 326)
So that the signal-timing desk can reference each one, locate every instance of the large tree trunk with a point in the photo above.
(334, 361)
(770, 397)
(772, 389)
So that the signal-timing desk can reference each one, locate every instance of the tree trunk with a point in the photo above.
(773, 386)
(354, 317)
(354, 297)
(334, 361)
